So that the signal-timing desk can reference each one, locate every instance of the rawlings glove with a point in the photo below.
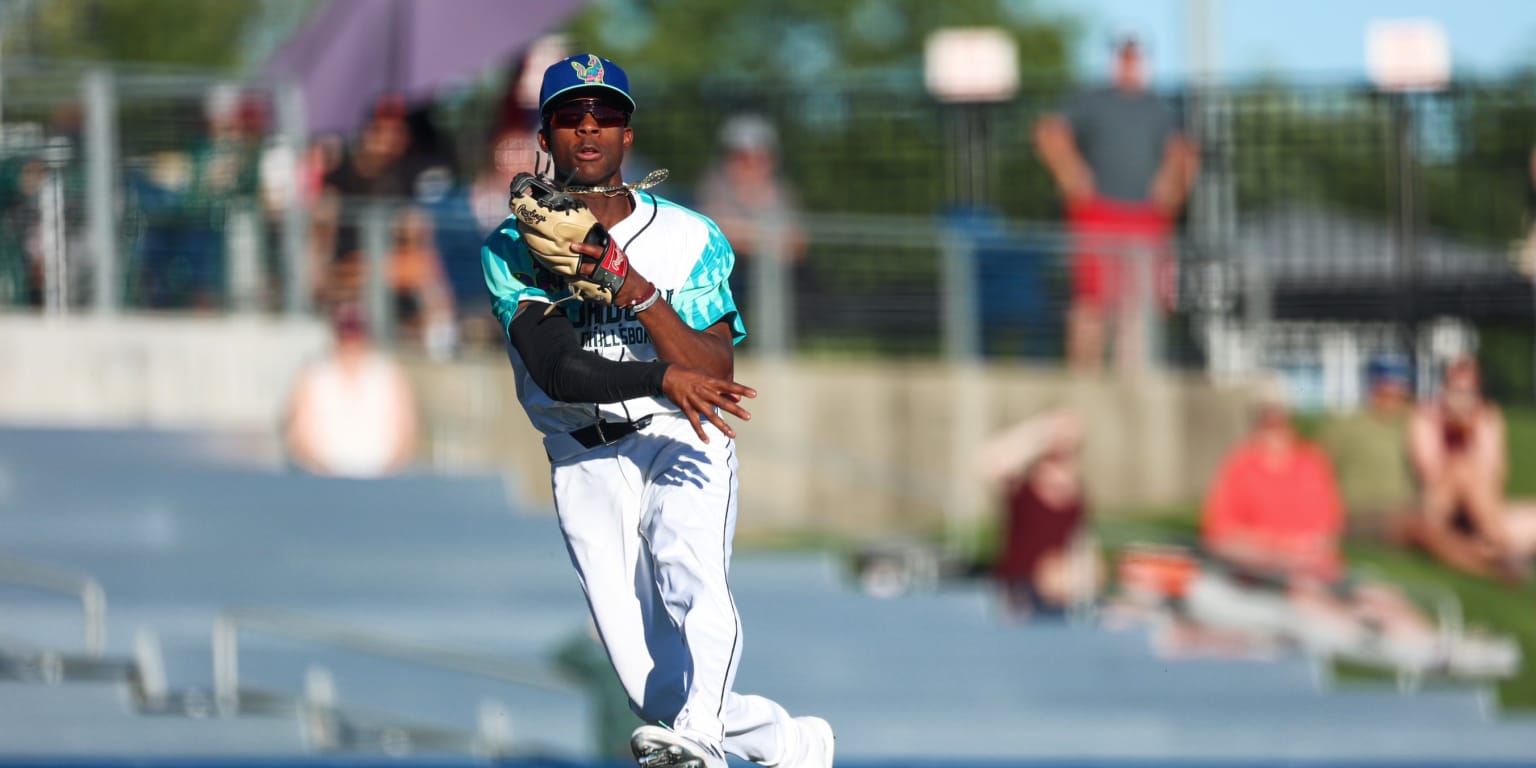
(549, 221)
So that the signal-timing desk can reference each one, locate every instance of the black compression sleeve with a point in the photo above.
(570, 374)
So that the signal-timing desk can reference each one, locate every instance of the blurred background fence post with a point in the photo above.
(1258, 303)
(961, 317)
(50, 225)
(295, 222)
(1404, 192)
(374, 222)
(1146, 338)
(99, 92)
(243, 246)
(772, 299)
(961, 339)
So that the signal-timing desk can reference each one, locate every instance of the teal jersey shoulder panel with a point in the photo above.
(510, 274)
(705, 298)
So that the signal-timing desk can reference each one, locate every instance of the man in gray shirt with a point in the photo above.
(1124, 170)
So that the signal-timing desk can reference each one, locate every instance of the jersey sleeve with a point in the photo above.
(705, 299)
(509, 275)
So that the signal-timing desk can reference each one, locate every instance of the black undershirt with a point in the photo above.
(567, 373)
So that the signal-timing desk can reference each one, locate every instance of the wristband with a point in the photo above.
(645, 303)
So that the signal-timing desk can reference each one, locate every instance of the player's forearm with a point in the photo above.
(677, 343)
(555, 360)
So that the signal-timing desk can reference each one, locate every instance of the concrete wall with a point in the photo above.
(840, 447)
(224, 373)
(853, 447)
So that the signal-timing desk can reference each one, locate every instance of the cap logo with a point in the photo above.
(592, 72)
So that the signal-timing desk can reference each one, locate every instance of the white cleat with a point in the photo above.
(657, 747)
(819, 741)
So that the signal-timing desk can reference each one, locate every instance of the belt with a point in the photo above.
(608, 432)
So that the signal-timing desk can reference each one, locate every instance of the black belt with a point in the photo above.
(608, 432)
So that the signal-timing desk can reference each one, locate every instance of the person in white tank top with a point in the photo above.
(353, 413)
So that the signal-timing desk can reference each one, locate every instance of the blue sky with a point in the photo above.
(1303, 39)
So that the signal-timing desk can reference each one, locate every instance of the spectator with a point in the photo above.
(21, 178)
(1460, 457)
(1274, 507)
(1369, 450)
(744, 193)
(302, 180)
(429, 161)
(352, 414)
(1047, 563)
(373, 168)
(186, 197)
(512, 153)
(423, 301)
(1123, 170)
(1272, 522)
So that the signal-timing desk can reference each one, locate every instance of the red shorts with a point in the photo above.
(1105, 235)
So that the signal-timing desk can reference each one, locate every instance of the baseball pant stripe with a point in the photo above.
(725, 573)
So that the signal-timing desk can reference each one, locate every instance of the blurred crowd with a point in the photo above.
(1268, 570)
(204, 221)
(397, 207)
(399, 204)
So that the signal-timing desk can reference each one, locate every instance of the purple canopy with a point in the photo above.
(350, 52)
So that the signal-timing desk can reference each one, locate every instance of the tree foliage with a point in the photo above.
(843, 81)
(204, 35)
(1463, 154)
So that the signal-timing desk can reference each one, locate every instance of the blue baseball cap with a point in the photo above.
(1388, 369)
(580, 72)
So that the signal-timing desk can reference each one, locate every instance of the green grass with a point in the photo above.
(1520, 423)
(1485, 603)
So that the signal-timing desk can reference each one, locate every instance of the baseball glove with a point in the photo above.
(549, 221)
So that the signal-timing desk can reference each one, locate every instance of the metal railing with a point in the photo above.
(230, 623)
(1315, 203)
(81, 586)
(319, 702)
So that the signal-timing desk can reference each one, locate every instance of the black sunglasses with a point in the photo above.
(571, 113)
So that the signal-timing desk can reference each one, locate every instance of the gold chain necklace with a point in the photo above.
(651, 179)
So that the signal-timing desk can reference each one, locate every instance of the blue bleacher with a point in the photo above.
(177, 535)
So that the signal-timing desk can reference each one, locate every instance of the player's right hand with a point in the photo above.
(699, 394)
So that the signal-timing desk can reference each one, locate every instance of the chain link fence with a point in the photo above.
(917, 229)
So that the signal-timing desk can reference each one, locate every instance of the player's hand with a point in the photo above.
(699, 394)
(635, 285)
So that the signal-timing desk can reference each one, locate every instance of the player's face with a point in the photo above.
(587, 139)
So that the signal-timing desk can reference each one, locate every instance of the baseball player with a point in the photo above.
(627, 383)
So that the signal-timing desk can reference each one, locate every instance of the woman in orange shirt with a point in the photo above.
(1274, 517)
(1275, 507)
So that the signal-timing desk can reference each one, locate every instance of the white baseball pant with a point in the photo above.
(648, 522)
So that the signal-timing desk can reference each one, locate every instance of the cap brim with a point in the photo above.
(586, 86)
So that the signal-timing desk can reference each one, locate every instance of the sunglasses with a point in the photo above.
(571, 113)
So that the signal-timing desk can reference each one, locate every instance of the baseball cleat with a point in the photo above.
(819, 741)
(657, 747)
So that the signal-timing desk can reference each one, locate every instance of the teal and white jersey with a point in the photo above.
(679, 250)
